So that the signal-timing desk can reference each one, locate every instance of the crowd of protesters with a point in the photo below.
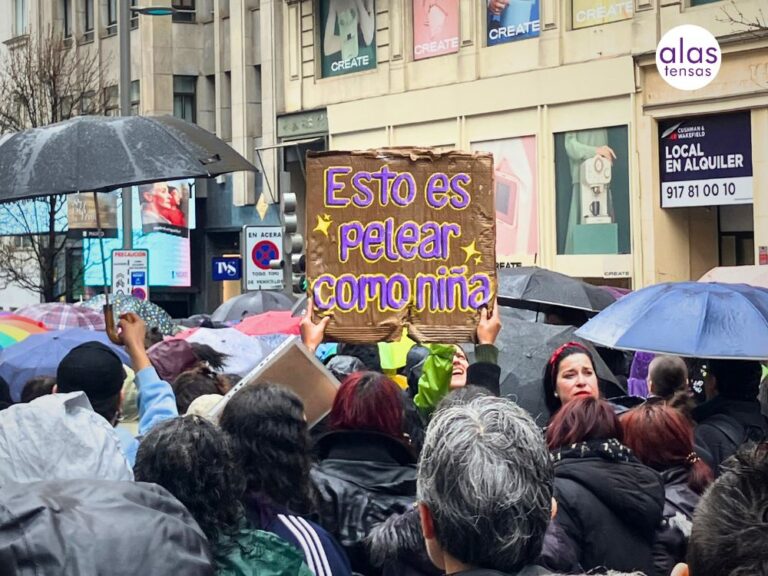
(439, 476)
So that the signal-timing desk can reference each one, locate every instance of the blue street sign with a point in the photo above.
(227, 268)
(138, 278)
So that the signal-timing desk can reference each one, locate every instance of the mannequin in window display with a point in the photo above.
(590, 161)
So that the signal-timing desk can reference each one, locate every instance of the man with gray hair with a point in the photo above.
(485, 489)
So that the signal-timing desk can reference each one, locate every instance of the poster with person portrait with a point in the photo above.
(592, 191)
(517, 210)
(435, 28)
(347, 36)
(510, 20)
(164, 207)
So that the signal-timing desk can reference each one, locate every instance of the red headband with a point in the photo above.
(557, 353)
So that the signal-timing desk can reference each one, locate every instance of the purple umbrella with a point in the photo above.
(40, 354)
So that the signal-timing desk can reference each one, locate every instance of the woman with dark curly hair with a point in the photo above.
(193, 460)
(269, 433)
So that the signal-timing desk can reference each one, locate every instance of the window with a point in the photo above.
(89, 19)
(111, 101)
(189, 10)
(66, 13)
(112, 16)
(22, 242)
(702, 2)
(21, 20)
(87, 104)
(134, 16)
(135, 97)
(184, 90)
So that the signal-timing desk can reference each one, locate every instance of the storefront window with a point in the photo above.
(592, 189)
(517, 212)
(587, 13)
(347, 36)
(510, 20)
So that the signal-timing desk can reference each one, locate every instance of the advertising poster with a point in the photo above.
(164, 207)
(435, 28)
(510, 20)
(81, 214)
(348, 36)
(400, 238)
(592, 191)
(706, 160)
(169, 256)
(517, 212)
(588, 13)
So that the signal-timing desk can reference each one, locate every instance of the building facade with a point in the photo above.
(552, 88)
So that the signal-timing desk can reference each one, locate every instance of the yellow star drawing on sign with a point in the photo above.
(323, 223)
(470, 251)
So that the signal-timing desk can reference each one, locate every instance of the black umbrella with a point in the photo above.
(237, 308)
(99, 153)
(534, 288)
(525, 349)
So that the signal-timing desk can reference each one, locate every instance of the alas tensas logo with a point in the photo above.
(688, 57)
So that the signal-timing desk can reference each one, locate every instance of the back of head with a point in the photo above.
(66, 528)
(5, 394)
(37, 387)
(197, 382)
(95, 369)
(58, 436)
(662, 438)
(192, 459)
(367, 353)
(667, 375)
(730, 527)
(486, 477)
(269, 432)
(737, 379)
(582, 420)
(368, 401)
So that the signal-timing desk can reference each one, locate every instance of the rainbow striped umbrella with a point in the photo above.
(14, 328)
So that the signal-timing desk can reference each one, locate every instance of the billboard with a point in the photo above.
(169, 256)
(435, 28)
(347, 36)
(588, 13)
(81, 214)
(164, 207)
(510, 20)
(517, 212)
(592, 191)
(706, 160)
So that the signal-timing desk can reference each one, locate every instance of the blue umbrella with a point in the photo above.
(694, 319)
(40, 354)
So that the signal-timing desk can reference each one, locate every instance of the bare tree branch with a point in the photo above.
(757, 24)
(43, 80)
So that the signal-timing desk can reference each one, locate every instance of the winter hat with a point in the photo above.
(93, 368)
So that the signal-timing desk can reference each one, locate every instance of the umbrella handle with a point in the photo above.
(109, 320)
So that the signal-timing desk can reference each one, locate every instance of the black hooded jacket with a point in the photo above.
(672, 539)
(609, 504)
(362, 478)
(724, 425)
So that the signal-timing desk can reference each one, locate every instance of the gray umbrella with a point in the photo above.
(524, 350)
(534, 288)
(237, 308)
(98, 153)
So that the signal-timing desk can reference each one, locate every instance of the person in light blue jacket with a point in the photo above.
(96, 370)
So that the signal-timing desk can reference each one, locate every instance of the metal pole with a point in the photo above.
(124, 36)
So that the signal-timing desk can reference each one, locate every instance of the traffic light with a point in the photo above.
(293, 242)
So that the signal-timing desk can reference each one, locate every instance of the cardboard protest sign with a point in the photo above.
(400, 237)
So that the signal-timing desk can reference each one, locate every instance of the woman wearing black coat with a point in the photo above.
(366, 470)
(662, 438)
(609, 504)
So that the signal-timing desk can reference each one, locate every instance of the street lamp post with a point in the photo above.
(124, 38)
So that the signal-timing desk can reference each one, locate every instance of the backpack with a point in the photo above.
(737, 432)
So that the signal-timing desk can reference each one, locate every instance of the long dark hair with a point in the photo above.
(550, 371)
(269, 432)
(582, 420)
(193, 460)
(661, 437)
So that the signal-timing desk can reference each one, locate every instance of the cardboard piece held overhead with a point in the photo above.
(400, 237)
